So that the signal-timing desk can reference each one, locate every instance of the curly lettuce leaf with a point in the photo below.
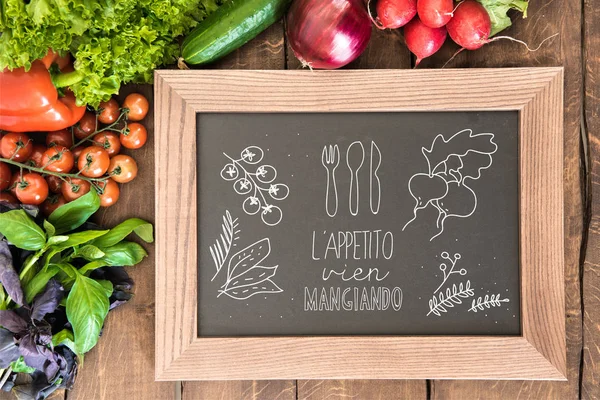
(112, 41)
(498, 10)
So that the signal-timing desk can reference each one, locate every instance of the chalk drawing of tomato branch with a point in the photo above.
(451, 164)
(260, 182)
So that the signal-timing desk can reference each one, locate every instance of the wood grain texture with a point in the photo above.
(590, 380)
(539, 354)
(544, 19)
(121, 366)
(361, 389)
(267, 51)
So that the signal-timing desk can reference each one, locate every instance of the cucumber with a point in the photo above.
(231, 26)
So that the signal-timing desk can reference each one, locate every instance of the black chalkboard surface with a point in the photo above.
(358, 224)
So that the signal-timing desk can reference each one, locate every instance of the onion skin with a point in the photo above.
(328, 34)
(422, 40)
(471, 26)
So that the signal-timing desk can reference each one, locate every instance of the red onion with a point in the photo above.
(328, 34)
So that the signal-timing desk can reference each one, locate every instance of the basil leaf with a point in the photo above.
(87, 307)
(49, 228)
(64, 338)
(75, 239)
(21, 231)
(89, 267)
(123, 254)
(90, 252)
(20, 366)
(39, 282)
(8, 276)
(72, 215)
(107, 285)
(142, 228)
(54, 240)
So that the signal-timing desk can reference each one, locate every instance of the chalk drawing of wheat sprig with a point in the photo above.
(220, 250)
(487, 301)
(444, 300)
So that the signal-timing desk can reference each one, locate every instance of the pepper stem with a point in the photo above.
(66, 79)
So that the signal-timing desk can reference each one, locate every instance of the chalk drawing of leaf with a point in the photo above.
(254, 275)
(487, 301)
(248, 257)
(441, 302)
(243, 292)
(220, 250)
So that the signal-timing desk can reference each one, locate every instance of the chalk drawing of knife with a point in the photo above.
(375, 182)
(355, 157)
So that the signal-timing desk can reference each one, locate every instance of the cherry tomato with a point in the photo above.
(77, 152)
(58, 159)
(134, 136)
(137, 105)
(122, 168)
(93, 162)
(85, 126)
(109, 111)
(59, 138)
(32, 189)
(74, 188)
(37, 154)
(54, 183)
(109, 142)
(110, 192)
(7, 197)
(5, 176)
(16, 146)
(12, 185)
(52, 203)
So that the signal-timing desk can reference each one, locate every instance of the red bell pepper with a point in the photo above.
(29, 100)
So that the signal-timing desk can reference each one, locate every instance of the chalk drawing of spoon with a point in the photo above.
(355, 157)
(331, 159)
(375, 186)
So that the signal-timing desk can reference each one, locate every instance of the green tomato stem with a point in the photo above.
(46, 172)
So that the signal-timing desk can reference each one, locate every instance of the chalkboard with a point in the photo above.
(358, 223)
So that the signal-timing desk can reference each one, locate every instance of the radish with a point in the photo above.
(394, 14)
(422, 40)
(471, 26)
(435, 13)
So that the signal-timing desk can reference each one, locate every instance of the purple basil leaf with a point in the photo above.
(39, 357)
(12, 321)
(68, 366)
(38, 389)
(9, 351)
(47, 301)
(8, 276)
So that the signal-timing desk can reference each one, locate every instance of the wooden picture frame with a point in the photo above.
(539, 353)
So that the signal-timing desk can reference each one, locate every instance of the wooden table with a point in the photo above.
(122, 365)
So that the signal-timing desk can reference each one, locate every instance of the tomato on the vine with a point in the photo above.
(86, 125)
(74, 188)
(32, 189)
(137, 105)
(134, 136)
(77, 152)
(16, 146)
(122, 168)
(108, 141)
(109, 111)
(37, 153)
(54, 183)
(93, 162)
(52, 203)
(59, 138)
(109, 192)
(7, 197)
(58, 159)
(5, 176)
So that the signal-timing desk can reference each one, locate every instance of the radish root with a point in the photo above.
(181, 63)
(375, 21)
(522, 42)
(453, 57)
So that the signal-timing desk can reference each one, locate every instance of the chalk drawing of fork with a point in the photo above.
(331, 159)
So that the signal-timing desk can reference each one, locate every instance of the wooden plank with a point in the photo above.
(385, 50)
(545, 19)
(267, 51)
(121, 366)
(590, 380)
(240, 390)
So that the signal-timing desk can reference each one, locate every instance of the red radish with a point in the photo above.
(394, 14)
(328, 34)
(435, 13)
(422, 40)
(471, 25)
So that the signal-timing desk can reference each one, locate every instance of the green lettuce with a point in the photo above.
(498, 10)
(112, 41)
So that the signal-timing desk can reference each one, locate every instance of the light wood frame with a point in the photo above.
(540, 351)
